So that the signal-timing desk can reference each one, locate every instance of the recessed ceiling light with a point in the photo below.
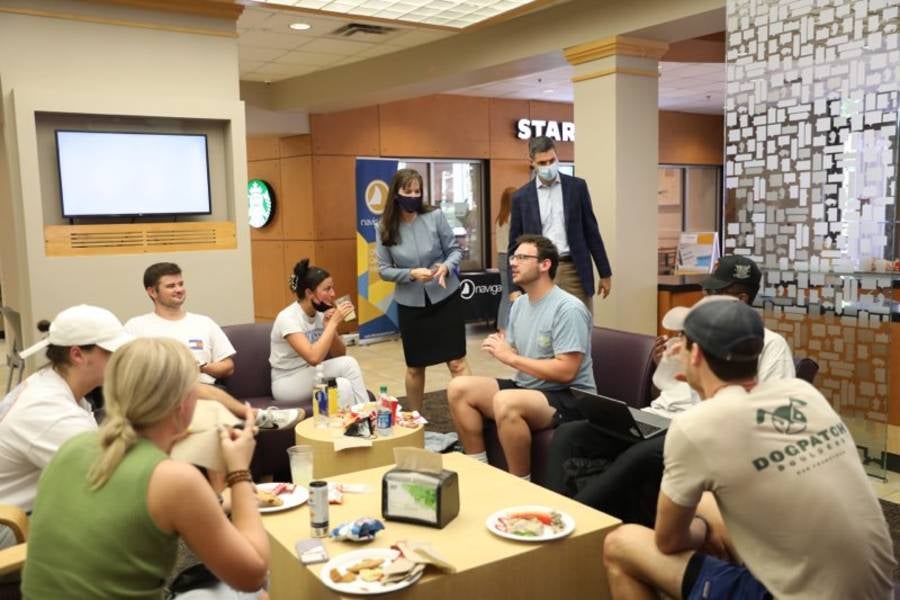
(300, 26)
(548, 91)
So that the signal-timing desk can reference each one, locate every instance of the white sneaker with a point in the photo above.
(278, 418)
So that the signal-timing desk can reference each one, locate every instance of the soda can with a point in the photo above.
(318, 508)
(392, 404)
(384, 421)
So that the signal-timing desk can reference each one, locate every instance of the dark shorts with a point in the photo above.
(562, 400)
(708, 578)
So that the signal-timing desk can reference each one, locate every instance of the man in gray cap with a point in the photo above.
(763, 494)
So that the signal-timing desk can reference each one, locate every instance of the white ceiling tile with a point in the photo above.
(319, 25)
(333, 46)
(247, 66)
(276, 69)
(270, 39)
(253, 17)
(313, 59)
(258, 54)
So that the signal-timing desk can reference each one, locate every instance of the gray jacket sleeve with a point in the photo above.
(449, 245)
(386, 268)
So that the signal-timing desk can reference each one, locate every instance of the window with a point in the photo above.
(457, 189)
(689, 199)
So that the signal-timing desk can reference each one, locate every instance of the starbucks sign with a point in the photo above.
(260, 203)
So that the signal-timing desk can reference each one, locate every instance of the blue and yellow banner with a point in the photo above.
(377, 309)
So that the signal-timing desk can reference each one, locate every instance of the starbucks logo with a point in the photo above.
(376, 196)
(260, 203)
(466, 289)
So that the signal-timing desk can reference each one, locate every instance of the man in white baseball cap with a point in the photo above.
(48, 408)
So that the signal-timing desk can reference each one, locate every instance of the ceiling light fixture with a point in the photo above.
(300, 26)
(548, 91)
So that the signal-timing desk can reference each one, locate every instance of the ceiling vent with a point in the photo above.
(351, 29)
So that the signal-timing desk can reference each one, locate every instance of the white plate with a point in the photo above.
(296, 498)
(359, 586)
(549, 534)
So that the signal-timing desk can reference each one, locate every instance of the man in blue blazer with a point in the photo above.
(558, 207)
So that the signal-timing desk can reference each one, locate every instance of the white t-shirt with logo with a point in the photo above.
(36, 418)
(283, 358)
(775, 362)
(794, 496)
(203, 337)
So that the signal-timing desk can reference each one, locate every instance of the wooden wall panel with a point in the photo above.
(334, 198)
(296, 198)
(338, 257)
(503, 115)
(436, 126)
(295, 145)
(504, 174)
(270, 172)
(262, 148)
(692, 139)
(347, 133)
(270, 289)
(294, 251)
(556, 111)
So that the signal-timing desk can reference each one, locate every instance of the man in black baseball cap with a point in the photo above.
(734, 273)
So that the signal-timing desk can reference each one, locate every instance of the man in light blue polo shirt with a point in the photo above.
(548, 342)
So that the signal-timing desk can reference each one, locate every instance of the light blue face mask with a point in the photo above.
(548, 172)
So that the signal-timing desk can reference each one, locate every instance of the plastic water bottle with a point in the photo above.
(320, 398)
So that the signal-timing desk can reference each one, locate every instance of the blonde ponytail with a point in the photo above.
(145, 381)
(116, 437)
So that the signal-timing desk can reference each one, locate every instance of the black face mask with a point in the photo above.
(320, 306)
(409, 203)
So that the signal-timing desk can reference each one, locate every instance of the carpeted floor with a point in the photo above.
(438, 414)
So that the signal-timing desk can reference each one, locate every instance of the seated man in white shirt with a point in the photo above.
(48, 408)
(622, 478)
(763, 493)
(203, 337)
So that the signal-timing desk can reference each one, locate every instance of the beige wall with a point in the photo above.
(60, 65)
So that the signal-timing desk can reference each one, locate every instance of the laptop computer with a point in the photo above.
(618, 419)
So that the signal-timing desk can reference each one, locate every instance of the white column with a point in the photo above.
(616, 152)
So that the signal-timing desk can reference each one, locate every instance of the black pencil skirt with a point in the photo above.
(434, 333)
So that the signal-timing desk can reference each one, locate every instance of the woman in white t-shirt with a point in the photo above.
(305, 335)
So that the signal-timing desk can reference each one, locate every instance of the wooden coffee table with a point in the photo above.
(488, 566)
(328, 462)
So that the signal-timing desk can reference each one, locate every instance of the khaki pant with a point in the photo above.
(568, 279)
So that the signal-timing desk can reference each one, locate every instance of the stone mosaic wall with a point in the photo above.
(811, 188)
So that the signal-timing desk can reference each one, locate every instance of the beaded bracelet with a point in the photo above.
(235, 477)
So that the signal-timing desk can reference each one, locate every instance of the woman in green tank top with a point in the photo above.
(111, 504)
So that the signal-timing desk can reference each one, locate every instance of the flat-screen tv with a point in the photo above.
(124, 174)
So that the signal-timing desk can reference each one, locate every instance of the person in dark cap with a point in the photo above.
(763, 494)
(621, 477)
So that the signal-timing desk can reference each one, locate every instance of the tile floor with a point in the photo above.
(382, 364)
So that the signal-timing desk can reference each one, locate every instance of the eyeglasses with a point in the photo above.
(521, 257)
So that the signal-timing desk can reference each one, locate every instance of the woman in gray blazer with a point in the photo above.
(417, 250)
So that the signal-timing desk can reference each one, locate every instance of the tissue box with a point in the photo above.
(430, 499)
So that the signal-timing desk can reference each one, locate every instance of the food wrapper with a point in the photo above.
(360, 428)
(360, 530)
(410, 419)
